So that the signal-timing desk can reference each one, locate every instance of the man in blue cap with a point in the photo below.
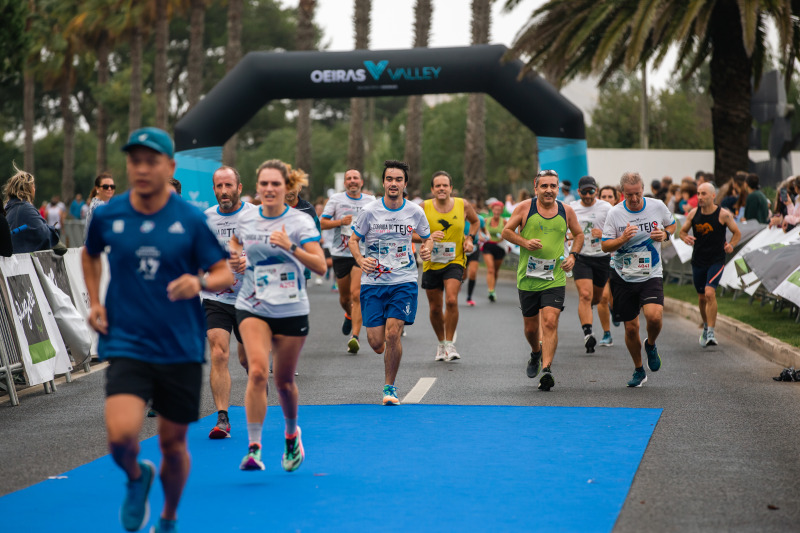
(152, 327)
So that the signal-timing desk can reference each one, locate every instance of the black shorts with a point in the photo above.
(494, 249)
(174, 389)
(290, 326)
(221, 316)
(474, 256)
(326, 251)
(434, 279)
(707, 276)
(629, 297)
(596, 269)
(342, 266)
(532, 302)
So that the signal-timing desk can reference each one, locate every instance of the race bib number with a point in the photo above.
(593, 244)
(394, 255)
(541, 268)
(443, 252)
(277, 284)
(637, 264)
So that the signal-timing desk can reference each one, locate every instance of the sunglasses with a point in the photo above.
(547, 173)
(587, 191)
(107, 187)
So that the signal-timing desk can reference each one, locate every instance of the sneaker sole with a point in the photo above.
(605, 344)
(146, 501)
(639, 385)
(711, 342)
(353, 347)
(547, 382)
(451, 358)
(590, 343)
(391, 401)
(219, 433)
(251, 465)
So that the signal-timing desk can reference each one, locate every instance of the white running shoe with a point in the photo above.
(711, 339)
(441, 353)
(451, 354)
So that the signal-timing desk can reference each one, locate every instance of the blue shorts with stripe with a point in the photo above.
(379, 302)
(707, 276)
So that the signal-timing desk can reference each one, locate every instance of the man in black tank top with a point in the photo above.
(708, 222)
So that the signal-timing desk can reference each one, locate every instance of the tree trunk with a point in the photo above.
(413, 152)
(233, 53)
(731, 92)
(135, 109)
(475, 144)
(160, 70)
(68, 161)
(196, 51)
(28, 117)
(305, 41)
(355, 145)
(103, 52)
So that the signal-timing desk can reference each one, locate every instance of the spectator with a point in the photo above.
(102, 192)
(655, 188)
(76, 207)
(786, 213)
(176, 185)
(55, 213)
(672, 197)
(30, 232)
(700, 178)
(565, 195)
(688, 192)
(757, 205)
(6, 249)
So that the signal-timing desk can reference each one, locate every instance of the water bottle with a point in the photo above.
(569, 274)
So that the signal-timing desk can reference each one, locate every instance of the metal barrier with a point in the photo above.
(72, 233)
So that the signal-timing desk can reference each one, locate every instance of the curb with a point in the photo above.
(767, 347)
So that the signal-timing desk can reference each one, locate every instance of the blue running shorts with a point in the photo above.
(379, 302)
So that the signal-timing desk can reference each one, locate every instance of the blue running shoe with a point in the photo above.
(606, 340)
(639, 377)
(165, 526)
(653, 360)
(390, 395)
(135, 511)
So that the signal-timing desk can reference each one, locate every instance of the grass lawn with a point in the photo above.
(776, 324)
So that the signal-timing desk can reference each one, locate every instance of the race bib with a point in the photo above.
(393, 255)
(541, 268)
(346, 230)
(594, 244)
(277, 284)
(637, 264)
(443, 252)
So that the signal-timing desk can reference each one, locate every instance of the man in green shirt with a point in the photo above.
(757, 206)
(543, 222)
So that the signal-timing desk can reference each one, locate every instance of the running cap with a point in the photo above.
(587, 182)
(153, 138)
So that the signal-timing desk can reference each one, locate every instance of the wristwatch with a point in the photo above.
(573, 253)
(203, 282)
(292, 248)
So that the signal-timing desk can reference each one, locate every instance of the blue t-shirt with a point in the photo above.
(146, 253)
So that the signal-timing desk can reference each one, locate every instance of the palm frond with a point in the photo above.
(641, 29)
(749, 11)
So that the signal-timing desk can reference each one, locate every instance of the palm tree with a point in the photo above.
(355, 145)
(233, 53)
(160, 88)
(413, 153)
(475, 143)
(28, 92)
(197, 23)
(305, 41)
(582, 37)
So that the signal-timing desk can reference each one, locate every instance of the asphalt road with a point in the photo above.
(723, 454)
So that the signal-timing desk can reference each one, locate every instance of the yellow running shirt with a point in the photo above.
(450, 250)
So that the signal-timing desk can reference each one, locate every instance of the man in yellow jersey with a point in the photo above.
(543, 222)
(442, 275)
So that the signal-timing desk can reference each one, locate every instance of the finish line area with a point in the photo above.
(370, 467)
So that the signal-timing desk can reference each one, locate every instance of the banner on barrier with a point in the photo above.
(790, 288)
(41, 347)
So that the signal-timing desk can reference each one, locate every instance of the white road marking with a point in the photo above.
(419, 390)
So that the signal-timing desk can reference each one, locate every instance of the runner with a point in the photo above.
(441, 276)
(543, 222)
(592, 267)
(272, 306)
(339, 215)
(389, 272)
(220, 305)
(473, 259)
(493, 252)
(609, 194)
(152, 326)
(634, 231)
(708, 222)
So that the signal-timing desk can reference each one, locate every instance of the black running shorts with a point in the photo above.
(494, 249)
(342, 266)
(595, 268)
(221, 316)
(434, 279)
(629, 297)
(531, 302)
(290, 326)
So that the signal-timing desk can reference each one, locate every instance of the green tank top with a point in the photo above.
(541, 270)
(495, 231)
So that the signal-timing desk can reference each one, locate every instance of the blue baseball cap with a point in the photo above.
(153, 138)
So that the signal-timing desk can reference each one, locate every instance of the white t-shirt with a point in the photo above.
(224, 227)
(340, 205)
(639, 259)
(53, 213)
(387, 235)
(590, 218)
(273, 284)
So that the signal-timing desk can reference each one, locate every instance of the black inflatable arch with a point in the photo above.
(263, 76)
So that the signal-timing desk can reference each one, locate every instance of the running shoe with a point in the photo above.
(451, 354)
(711, 339)
(589, 342)
(492, 296)
(222, 430)
(165, 526)
(135, 510)
(293, 452)
(606, 340)
(703, 337)
(390, 395)
(347, 325)
(653, 359)
(318, 281)
(151, 413)
(546, 382)
(639, 377)
(252, 461)
(441, 352)
(534, 364)
(471, 303)
(334, 288)
(353, 345)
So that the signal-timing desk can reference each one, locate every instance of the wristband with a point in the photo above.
(203, 283)
(573, 253)
(292, 248)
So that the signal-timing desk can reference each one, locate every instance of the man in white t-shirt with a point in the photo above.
(389, 272)
(634, 231)
(591, 268)
(339, 214)
(55, 213)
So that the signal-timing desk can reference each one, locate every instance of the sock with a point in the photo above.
(587, 329)
(222, 414)
(640, 368)
(442, 343)
(536, 354)
(291, 427)
(355, 337)
(254, 432)
(546, 369)
(711, 331)
(607, 332)
(470, 288)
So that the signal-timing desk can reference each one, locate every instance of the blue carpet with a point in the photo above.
(369, 468)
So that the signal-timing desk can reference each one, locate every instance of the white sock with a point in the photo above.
(711, 330)
(291, 426)
(442, 343)
(254, 432)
